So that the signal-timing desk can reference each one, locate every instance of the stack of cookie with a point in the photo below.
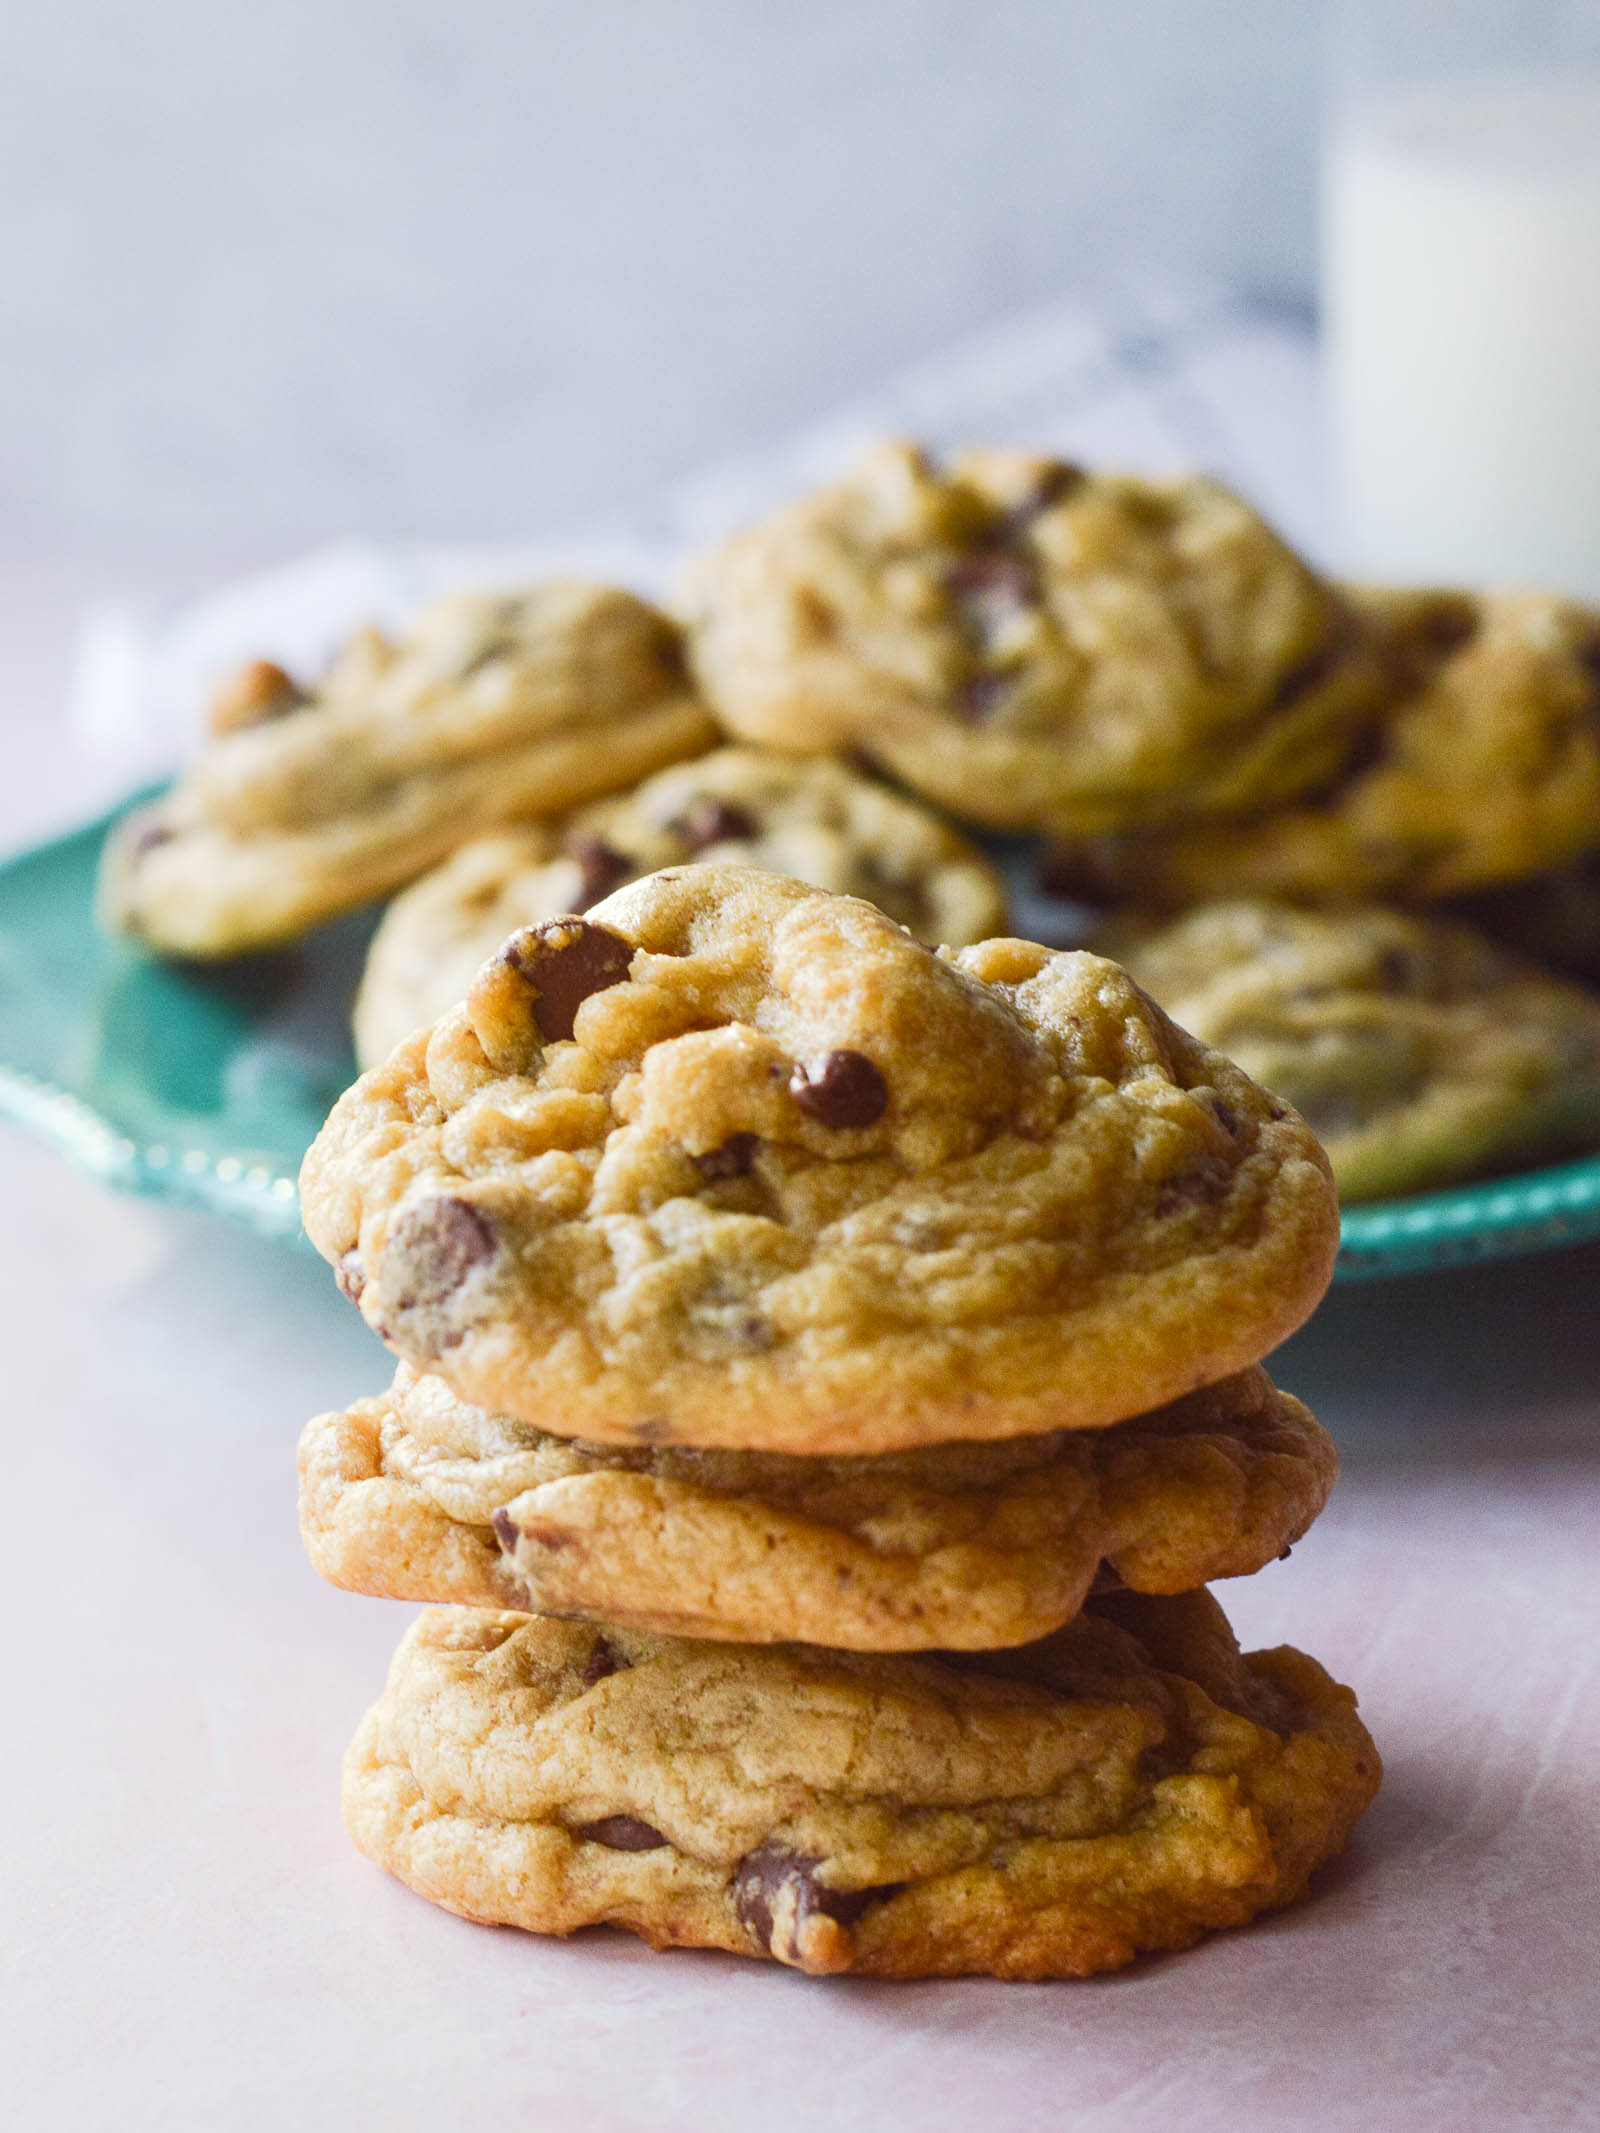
(830, 1373)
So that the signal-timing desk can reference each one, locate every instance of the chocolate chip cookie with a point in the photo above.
(1487, 769)
(415, 1495)
(1034, 646)
(1421, 1053)
(308, 803)
(1124, 1786)
(736, 1163)
(807, 816)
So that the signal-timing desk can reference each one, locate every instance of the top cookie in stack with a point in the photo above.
(731, 1162)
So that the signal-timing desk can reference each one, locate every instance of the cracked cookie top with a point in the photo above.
(809, 816)
(1037, 647)
(730, 1161)
(1485, 769)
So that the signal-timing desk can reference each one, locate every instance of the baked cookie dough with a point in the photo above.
(1036, 647)
(1487, 769)
(305, 805)
(1419, 1052)
(1122, 1787)
(807, 816)
(736, 1163)
(416, 1496)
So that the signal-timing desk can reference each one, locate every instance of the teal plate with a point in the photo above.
(196, 1083)
(206, 1084)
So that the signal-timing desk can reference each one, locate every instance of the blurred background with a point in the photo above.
(474, 270)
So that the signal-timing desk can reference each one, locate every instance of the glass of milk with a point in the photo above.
(1461, 292)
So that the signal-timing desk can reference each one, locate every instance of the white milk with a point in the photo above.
(1462, 301)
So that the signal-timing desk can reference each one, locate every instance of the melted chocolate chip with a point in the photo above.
(351, 1276)
(763, 1876)
(603, 1662)
(1227, 1118)
(708, 820)
(1200, 1185)
(845, 1089)
(1058, 481)
(567, 961)
(433, 1247)
(990, 587)
(734, 1159)
(506, 1530)
(980, 696)
(602, 868)
(622, 1833)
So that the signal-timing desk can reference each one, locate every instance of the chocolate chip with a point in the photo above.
(622, 1833)
(1451, 625)
(601, 868)
(566, 961)
(1058, 481)
(432, 1249)
(733, 1159)
(708, 820)
(990, 587)
(1285, 1553)
(506, 1531)
(1227, 1118)
(603, 1662)
(980, 696)
(496, 648)
(1200, 1185)
(845, 1089)
(762, 1879)
(147, 838)
(351, 1276)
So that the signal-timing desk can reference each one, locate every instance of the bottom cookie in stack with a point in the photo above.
(1119, 1787)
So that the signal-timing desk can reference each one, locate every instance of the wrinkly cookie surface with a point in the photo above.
(733, 1162)
(1485, 769)
(1121, 1787)
(807, 816)
(1421, 1053)
(310, 802)
(416, 1495)
(1036, 647)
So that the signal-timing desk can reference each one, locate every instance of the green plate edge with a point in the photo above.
(206, 1086)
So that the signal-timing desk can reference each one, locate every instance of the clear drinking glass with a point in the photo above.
(1461, 290)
